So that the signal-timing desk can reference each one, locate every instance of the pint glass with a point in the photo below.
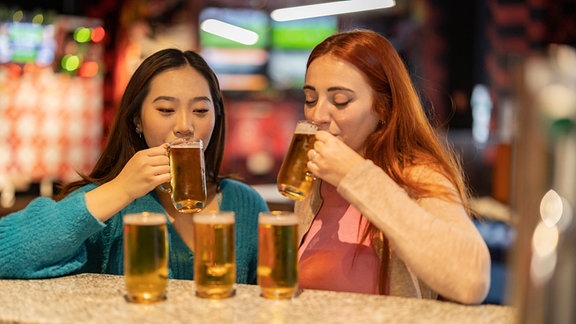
(145, 257)
(214, 255)
(188, 184)
(294, 179)
(278, 254)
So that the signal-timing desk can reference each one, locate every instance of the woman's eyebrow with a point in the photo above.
(309, 87)
(169, 98)
(339, 89)
(201, 98)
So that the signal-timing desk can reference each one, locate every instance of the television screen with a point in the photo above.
(250, 19)
(302, 34)
(291, 43)
(239, 67)
(24, 42)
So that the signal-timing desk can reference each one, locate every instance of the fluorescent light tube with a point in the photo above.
(329, 9)
(229, 31)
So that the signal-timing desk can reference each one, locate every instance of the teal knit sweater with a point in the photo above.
(50, 239)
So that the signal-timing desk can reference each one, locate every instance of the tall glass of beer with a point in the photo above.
(294, 179)
(145, 257)
(188, 184)
(214, 255)
(278, 254)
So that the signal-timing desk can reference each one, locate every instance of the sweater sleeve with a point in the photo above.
(47, 238)
(434, 237)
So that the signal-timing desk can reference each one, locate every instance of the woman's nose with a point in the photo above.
(183, 126)
(320, 115)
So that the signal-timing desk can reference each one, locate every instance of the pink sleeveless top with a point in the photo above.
(331, 256)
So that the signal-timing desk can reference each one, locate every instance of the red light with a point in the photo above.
(98, 34)
(88, 69)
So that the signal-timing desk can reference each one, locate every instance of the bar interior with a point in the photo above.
(497, 78)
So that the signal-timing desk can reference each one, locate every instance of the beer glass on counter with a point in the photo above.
(294, 180)
(188, 185)
(145, 257)
(278, 254)
(214, 254)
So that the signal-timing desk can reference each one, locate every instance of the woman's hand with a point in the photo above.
(331, 159)
(143, 172)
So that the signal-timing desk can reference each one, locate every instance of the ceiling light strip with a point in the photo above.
(329, 9)
(229, 31)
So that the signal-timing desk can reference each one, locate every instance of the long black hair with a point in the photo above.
(123, 141)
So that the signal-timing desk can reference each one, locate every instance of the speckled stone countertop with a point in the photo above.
(91, 298)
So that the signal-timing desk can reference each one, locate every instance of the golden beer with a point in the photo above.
(294, 179)
(188, 182)
(278, 254)
(214, 255)
(145, 257)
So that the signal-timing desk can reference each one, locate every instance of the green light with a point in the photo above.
(17, 16)
(70, 62)
(82, 34)
(38, 19)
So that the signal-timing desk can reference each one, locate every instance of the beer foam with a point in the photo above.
(306, 128)
(278, 218)
(214, 218)
(186, 143)
(145, 218)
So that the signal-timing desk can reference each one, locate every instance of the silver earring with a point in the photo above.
(139, 131)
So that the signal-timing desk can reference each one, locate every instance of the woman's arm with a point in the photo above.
(435, 238)
(46, 239)
(146, 170)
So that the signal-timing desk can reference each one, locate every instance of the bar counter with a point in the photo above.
(95, 298)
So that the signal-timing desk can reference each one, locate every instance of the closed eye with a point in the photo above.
(342, 104)
(310, 102)
(201, 110)
(165, 110)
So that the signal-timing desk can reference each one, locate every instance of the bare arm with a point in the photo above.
(144, 171)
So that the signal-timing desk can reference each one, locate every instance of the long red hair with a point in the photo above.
(405, 137)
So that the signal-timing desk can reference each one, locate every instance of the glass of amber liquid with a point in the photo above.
(278, 254)
(294, 180)
(145, 257)
(214, 255)
(187, 187)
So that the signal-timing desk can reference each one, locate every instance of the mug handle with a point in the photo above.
(166, 187)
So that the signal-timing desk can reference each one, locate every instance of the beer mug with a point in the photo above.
(188, 184)
(294, 180)
(214, 254)
(278, 254)
(145, 257)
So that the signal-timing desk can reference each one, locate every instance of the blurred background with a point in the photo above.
(64, 65)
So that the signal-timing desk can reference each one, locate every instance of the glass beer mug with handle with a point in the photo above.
(188, 184)
(294, 180)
